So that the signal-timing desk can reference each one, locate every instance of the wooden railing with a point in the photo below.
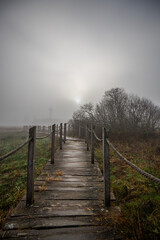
(106, 145)
(80, 131)
(31, 152)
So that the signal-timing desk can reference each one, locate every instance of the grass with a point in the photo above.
(13, 170)
(137, 196)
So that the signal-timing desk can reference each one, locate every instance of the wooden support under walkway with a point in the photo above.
(68, 201)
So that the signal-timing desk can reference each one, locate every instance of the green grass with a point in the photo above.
(138, 197)
(13, 170)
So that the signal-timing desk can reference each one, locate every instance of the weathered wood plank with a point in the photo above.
(82, 233)
(83, 195)
(63, 189)
(57, 211)
(57, 203)
(51, 222)
(68, 200)
(68, 171)
(66, 184)
(71, 178)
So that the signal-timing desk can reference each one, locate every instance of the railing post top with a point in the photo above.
(53, 127)
(104, 132)
(92, 126)
(32, 130)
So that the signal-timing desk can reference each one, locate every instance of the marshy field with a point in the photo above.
(138, 197)
(13, 170)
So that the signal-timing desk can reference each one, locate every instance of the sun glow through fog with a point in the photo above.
(77, 100)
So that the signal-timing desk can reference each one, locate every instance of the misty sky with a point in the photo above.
(57, 54)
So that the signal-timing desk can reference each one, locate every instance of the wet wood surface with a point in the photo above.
(68, 201)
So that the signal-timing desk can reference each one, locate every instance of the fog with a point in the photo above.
(57, 55)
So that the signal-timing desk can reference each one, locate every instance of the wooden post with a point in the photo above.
(57, 130)
(79, 130)
(106, 169)
(87, 137)
(68, 130)
(85, 134)
(53, 144)
(49, 129)
(30, 166)
(64, 133)
(92, 144)
(73, 130)
(60, 139)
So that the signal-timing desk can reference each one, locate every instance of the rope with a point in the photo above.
(15, 150)
(98, 139)
(142, 172)
(38, 138)
(89, 130)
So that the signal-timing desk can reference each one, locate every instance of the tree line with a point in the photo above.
(120, 112)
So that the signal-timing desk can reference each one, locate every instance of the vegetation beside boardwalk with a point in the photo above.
(13, 170)
(138, 197)
(137, 120)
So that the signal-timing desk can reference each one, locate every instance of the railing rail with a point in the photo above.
(142, 172)
(90, 133)
(43, 137)
(97, 138)
(31, 154)
(15, 150)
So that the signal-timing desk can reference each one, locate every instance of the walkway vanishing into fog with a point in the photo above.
(68, 201)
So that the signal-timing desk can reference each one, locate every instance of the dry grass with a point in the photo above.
(49, 179)
(137, 196)
(59, 173)
(42, 188)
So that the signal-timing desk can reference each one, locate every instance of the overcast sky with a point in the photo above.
(57, 54)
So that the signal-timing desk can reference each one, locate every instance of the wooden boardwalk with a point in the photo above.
(68, 201)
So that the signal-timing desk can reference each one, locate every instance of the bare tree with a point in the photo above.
(120, 112)
(85, 114)
(111, 111)
(143, 115)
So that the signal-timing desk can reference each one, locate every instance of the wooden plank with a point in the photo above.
(67, 206)
(61, 167)
(72, 178)
(73, 165)
(56, 204)
(68, 189)
(70, 195)
(57, 211)
(51, 222)
(81, 233)
(73, 171)
(66, 184)
(83, 195)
